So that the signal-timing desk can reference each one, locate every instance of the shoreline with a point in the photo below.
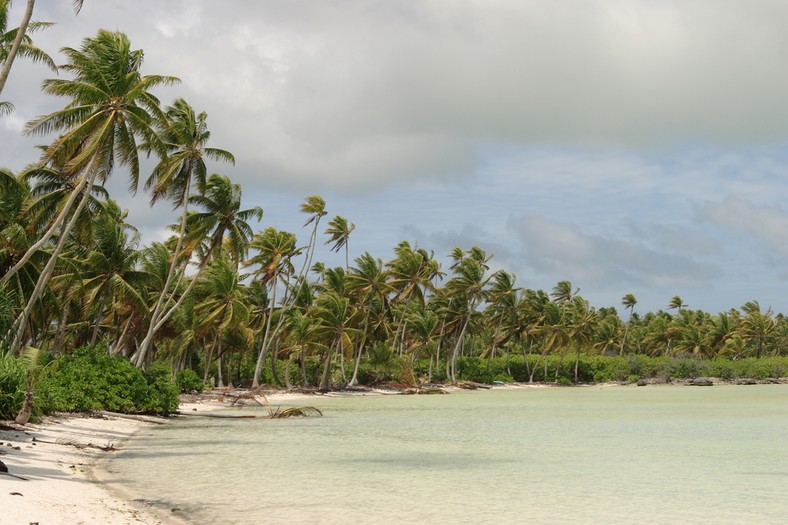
(65, 459)
(59, 459)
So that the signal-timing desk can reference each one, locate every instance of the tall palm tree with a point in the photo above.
(223, 307)
(275, 252)
(756, 325)
(315, 207)
(111, 276)
(339, 233)
(628, 301)
(502, 308)
(184, 135)
(368, 284)
(221, 215)
(110, 106)
(677, 303)
(467, 287)
(335, 314)
(17, 43)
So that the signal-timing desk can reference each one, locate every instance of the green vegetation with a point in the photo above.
(226, 301)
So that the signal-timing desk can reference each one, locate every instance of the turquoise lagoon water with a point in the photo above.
(553, 455)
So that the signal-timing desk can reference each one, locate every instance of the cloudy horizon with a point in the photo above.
(626, 146)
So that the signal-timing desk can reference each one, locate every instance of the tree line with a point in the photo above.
(246, 304)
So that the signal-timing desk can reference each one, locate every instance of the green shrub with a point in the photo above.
(89, 379)
(188, 381)
(12, 386)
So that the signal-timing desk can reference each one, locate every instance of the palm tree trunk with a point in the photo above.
(304, 378)
(288, 383)
(219, 368)
(99, 315)
(20, 35)
(46, 273)
(142, 352)
(326, 368)
(273, 355)
(258, 370)
(457, 347)
(359, 351)
(58, 222)
(208, 358)
(164, 293)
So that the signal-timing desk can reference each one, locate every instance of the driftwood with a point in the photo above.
(218, 416)
(109, 447)
(135, 417)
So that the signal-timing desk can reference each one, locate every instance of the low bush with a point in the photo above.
(189, 382)
(89, 379)
(12, 386)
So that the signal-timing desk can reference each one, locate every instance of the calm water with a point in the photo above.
(558, 455)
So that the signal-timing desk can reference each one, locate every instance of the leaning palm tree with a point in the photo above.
(110, 107)
(275, 251)
(184, 135)
(467, 288)
(628, 301)
(315, 207)
(110, 273)
(19, 41)
(206, 231)
(339, 233)
(223, 307)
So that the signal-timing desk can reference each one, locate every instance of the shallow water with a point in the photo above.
(571, 455)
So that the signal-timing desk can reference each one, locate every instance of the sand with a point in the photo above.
(57, 458)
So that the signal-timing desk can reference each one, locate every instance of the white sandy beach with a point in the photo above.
(57, 458)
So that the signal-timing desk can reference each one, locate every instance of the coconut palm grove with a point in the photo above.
(229, 300)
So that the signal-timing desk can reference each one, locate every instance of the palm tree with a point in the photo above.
(412, 274)
(184, 135)
(676, 303)
(756, 325)
(562, 292)
(339, 231)
(206, 230)
(583, 327)
(502, 308)
(368, 284)
(111, 105)
(467, 288)
(315, 207)
(335, 314)
(17, 43)
(276, 249)
(111, 275)
(628, 301)
(223, 307)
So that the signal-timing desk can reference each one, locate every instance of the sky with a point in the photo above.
(628, 146)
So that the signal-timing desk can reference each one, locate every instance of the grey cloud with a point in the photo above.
(766, 223)
(367, 93)
(566, 252)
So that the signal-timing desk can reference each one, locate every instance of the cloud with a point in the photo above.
(766, 223)
(562, 251)
(366, 94)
